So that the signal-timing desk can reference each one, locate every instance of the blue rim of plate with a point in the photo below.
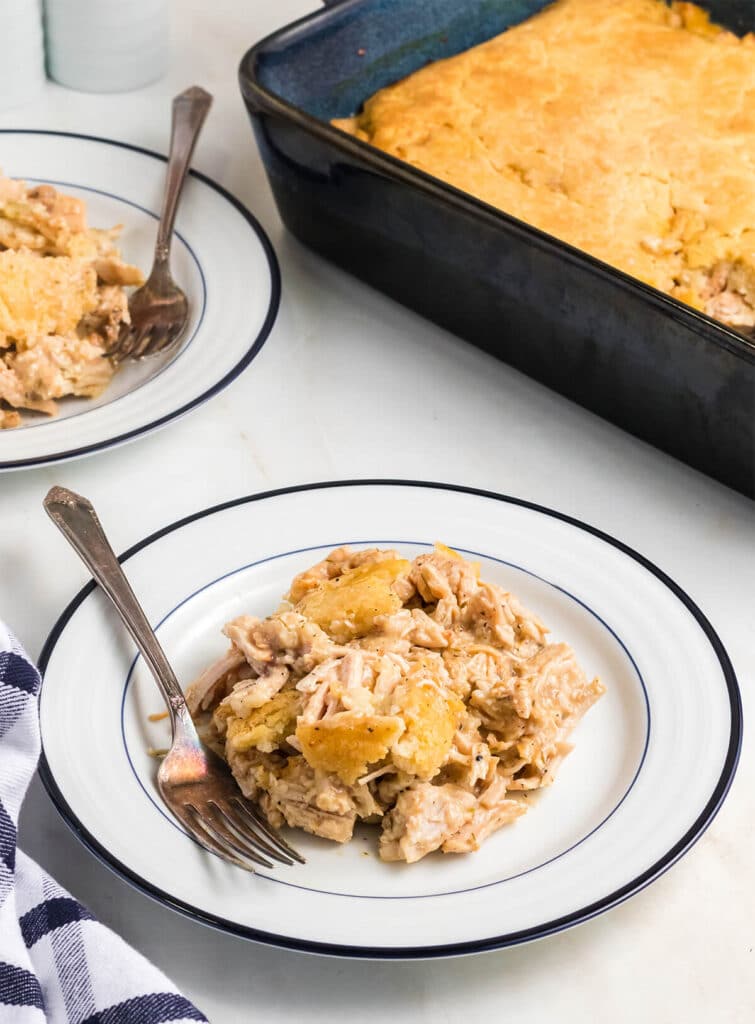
(685, 843)
(218, 386)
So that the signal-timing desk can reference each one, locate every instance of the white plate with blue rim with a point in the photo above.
(651, 765)
(221, 257)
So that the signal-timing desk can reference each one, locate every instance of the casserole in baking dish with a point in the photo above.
(626, 129)
(645, 360)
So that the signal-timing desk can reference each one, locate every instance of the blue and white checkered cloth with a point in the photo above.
(57, 963)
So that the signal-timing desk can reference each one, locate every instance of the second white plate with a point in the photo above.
(652, 760)
(221, 257)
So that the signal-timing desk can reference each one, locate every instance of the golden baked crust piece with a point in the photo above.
(42, 296)
(626, 128)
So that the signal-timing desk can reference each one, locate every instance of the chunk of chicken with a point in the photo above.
(201, 693)
(52, 368)
(493, 811)
(425, 816)
(288, 639)
(303, 798)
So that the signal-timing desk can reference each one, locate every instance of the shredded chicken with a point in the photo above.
(410, 694)
(423, 819)
(727, 291)
(204, 688)
(62, 300)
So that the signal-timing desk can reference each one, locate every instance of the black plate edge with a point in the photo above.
(233, 373)
(734, 342)
(453, 949)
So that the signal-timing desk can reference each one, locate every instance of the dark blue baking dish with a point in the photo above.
(654, 366)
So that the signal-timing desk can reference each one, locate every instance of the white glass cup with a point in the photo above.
(106, 45)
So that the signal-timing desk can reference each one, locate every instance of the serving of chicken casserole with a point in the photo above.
(408, 694)
(62, 300)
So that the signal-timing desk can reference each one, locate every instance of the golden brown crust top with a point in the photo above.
(625, 128)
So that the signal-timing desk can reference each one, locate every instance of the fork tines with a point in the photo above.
(238, 832)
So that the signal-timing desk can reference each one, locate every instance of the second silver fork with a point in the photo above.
(194, 782)
(159, 310)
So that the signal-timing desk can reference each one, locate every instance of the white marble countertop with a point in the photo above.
(682, 950)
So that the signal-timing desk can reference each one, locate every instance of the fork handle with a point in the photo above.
(77, 520)
(189, 111)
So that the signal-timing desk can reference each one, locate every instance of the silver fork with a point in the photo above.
(194, 782)
(159, 310)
